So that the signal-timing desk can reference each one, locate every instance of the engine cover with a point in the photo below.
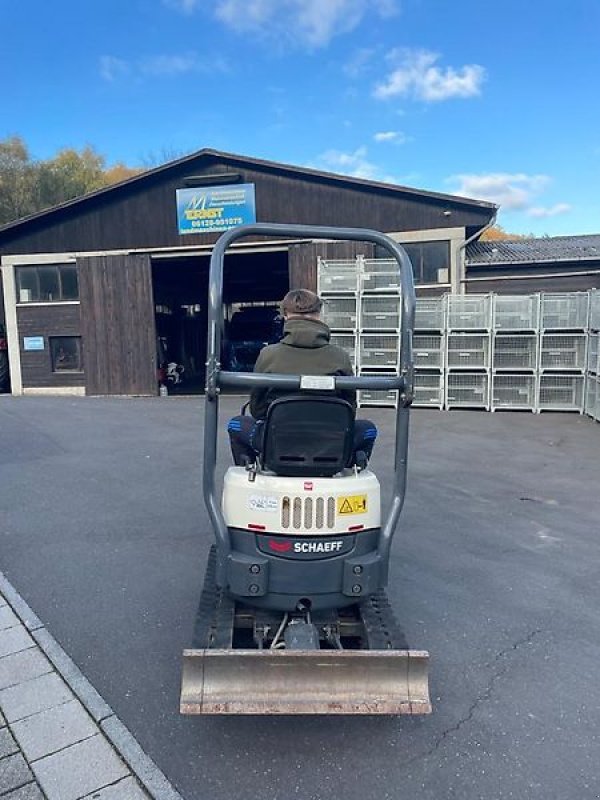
(297, 507)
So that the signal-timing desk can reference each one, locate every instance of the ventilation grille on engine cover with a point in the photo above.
(307, 513)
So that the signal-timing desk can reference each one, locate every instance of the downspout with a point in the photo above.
(462, 250)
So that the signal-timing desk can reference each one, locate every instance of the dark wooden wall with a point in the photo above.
(142, 214)
(48, 320)
(302, 259)
(118, 325)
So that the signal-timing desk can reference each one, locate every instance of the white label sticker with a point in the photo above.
(262, 502)
(320, 382)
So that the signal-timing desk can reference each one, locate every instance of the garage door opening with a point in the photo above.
(254, 283)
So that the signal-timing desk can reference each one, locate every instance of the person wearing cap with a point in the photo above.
(305, 349)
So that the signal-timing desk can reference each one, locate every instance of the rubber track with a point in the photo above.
(212, 626)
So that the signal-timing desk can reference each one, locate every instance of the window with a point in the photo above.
(47, 283)
(65, 352)
(430, 261)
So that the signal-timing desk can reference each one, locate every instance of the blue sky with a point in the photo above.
(499, 101)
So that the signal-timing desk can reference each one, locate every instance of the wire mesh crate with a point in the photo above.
(378, 397)
(563, 351)
(378, 350)
(593, 353)
(337, 276)
(560, 392)
(564, 310)
(515, 352)
(516, 312)
(380, 275)
(596, 415)
(469, 311)
(595, 309)
(468, 351)
(340, 313)
(380, 313)
(429, 389)
(591, 396)
(467, 390)
(430, 314)
(513, 391)
(347, 341)
(428, 350)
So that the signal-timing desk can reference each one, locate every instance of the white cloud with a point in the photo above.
(112, 68)
(511, 191)
(355, 163)
(170, 65)
(312, 22)
(541, 212)
(397, 137)
(416, 74)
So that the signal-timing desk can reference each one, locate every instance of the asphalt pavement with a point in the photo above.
(494, 571)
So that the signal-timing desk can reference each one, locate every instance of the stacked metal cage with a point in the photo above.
(468, 350)
(562, 351)
(429, 352)
(379, 326)
(533, 352)
(592, 381)
(362, 307)
(515, 352)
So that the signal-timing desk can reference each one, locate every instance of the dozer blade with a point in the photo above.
(305, 682)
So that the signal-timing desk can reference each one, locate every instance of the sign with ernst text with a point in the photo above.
(213, 209)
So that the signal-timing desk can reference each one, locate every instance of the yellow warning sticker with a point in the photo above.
(356, 504)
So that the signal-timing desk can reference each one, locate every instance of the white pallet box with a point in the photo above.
(379, 398)
(379, 351)
(515, 312)
(560, 392)
(564, 310)
(562, 351)
(467, 350)
(429, 350)
(337, 276)
(430, 314)
(516, 391)
(467, 390)
(428, 389)
(594, 320)
(379, 275)
(340, 313)
(515, 352)
(348, 342)
(380, 312)
(468, 312)
(593, 353)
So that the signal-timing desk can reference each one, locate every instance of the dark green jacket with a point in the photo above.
(304, 350)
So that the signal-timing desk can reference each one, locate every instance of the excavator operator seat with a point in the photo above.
(308, 436)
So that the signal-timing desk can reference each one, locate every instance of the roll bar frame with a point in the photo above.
(217, 378)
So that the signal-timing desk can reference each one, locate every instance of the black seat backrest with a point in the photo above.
(308, 436)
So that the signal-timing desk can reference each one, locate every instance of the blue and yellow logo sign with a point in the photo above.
(214, 209)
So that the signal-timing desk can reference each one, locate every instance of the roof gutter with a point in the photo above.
(461, 254)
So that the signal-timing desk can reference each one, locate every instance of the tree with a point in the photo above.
(497, 233)
(68, 175)
(17, 180)
(27, 186)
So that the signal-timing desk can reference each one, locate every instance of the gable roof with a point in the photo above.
(241, 161)
(528, 251)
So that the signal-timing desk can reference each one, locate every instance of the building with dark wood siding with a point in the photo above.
(521, 266)
(90, 285)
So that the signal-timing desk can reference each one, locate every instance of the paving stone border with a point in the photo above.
(59, 739)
